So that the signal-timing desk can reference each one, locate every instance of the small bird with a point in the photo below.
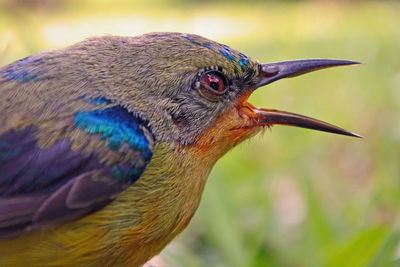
(106, 145)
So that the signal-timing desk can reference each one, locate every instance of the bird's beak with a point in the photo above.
(271, 72)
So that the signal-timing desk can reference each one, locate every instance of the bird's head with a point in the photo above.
(194, 91)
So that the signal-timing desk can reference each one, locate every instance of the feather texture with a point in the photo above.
(45, 186)
(106, 145)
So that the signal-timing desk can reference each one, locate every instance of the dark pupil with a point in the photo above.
(214, 86)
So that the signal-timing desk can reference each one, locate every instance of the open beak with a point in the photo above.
(271, 72)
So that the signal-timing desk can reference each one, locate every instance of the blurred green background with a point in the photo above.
(288, 197)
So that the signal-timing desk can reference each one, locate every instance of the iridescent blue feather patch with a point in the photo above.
(118, 126)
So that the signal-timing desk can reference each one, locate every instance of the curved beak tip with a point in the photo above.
(356, 135)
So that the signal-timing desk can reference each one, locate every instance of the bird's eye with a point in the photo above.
(215, 82)
(212, 85)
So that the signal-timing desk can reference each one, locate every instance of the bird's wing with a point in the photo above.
(53, 172)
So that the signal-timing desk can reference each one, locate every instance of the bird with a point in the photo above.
(106, 145)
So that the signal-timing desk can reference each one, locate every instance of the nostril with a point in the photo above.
(269, 71)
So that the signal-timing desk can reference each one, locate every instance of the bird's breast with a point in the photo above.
(155, 209)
